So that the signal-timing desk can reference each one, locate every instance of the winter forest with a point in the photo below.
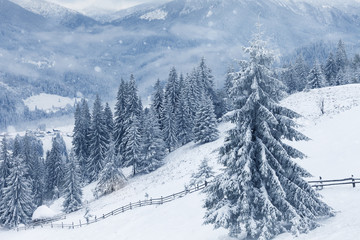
(229, 154)
(261, 191)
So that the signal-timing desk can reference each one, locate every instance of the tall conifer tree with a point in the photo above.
(261, 192)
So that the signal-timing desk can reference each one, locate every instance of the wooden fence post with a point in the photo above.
(140, 203)
(161, 200)
(62, 225)
(353, 180)
(72, 225)
(130, 206)
(80, 222)
(95, 219)
(150, 201)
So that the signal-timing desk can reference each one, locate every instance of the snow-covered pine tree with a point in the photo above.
(55, 163)
(111, 177)
(301, 70)
(171, 101)
(261, 192)
(183, 114)
(289, 78)
(204, 173)
(206, 79)
(341, 56)
(109, 121)
(228, 86)
(205, 122)
(154, 146)
(5, 164)
(330, 70)
(78, 141)
(16, 204)
(72, 185)
(16, 148)
(99, 140)
(316, 78)
(158, 101)
(120, 115)
(133, 149)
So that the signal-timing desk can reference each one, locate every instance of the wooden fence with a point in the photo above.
(130, 206)
(318, 184)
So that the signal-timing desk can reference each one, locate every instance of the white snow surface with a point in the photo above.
(49, 102)
(157, 14)
(332, 153)
(43, 212)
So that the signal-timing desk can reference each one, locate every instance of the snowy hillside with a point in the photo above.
(332, 153)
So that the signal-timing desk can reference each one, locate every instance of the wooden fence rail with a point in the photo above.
(130, 206)
(318, 184)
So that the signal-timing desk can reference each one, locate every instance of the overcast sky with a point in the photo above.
(81, 5)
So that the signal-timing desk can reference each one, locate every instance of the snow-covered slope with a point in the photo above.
(332, 153)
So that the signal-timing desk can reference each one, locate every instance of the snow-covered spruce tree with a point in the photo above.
(301, 70)
(55, 163)
(109, 121)
(16, 148)
(171, 101)
(206, 79)
(72, 185)
(204, 173)
(183, 114)
(330, 70)
(341, 56)
(120, 115)
(157, 102)
(17, 201)
(153, 144)
(5, 164)
(133, 150)
(99, 140)
(205, 122)
(111, 177)
(79, 141)
(316, 78)
(261, 192)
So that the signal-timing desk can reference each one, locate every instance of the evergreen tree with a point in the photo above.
(55, 162)
(171, 102)
(99, 140)
(316, 78)
(5, 164)
(330, 70)
(206, 79)
(183, 114)
(301, 71)
(72, 188)
(120, 115)
(157, 102)
(204, 173)
(17, 148)
(341, 56)
(261, 192)
(111, 177)
(154, 146)
(205, 122)
(81, 136)
(132, 155)
(109, 122)
(228, 86)
(17, 201)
